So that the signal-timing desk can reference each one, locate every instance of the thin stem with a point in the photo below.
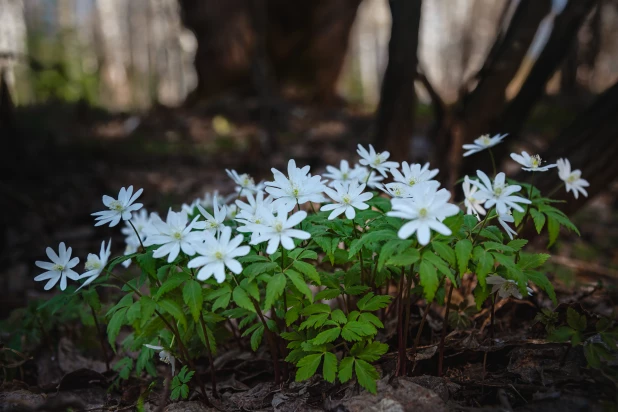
(493, 162)
(555, 189)
(406, 322)
(491, 326)
(417, 340)
(360, 253)
(101, 337)
(137, 234)
(271, 342)
(213, 378)
(444, 329)
(401, 360)
(524, 219)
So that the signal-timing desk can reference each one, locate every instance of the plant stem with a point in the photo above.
(101, 337)
(524, 219)
(272, 343)
(444, 328)
(493, 162)
(360, 253)
(137, 234)
(406, 322)
(213, 379)
(401, 360)
(417, 340)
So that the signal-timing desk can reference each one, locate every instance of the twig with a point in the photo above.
(444, 328)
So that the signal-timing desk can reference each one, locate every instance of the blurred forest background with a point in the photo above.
(164, 94)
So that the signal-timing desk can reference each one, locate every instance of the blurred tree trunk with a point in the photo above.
(591, 145)
(12, 39)
(484, 104)
(395, 116)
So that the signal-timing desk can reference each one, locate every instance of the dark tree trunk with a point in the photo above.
(485, 103)
(563, 34)
(395, 117)
(591, 144)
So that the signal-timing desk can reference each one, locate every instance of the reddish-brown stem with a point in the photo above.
(272, 343)
(444, 329)
(213, 378)
(417, 340)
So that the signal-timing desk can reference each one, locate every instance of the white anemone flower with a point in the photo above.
(531, 163)
(413, 173)
(572, 179)
(279, 230)
(374, 160)
(368, 176)
(59, 269)
(214, 222)
(503, 219)
(473, 205)
(215, 254)
(298, 187)
(120, 208)
(175, 235)
(165, 356)
(95, 264)
(347, 198)
(253, 211)
(396, 189)
(426, 210)
(342, 175)
(498, 193)
(244, 183)
(482, 143)
(505, 287)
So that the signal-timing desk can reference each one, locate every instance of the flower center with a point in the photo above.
(422, 213)
(412, 181)
(344, 176)
(535, 161)
(485, 140)
(92, 264)
(279, 227)
(177, 235)
(295, 191)
(346, 199)
(115, 205)
(218, 255)
(58, 267)
(213, 224)
(378, 160)
(572, 178)
(498, 190)
(246, 180)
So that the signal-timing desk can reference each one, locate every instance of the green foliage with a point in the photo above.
(180, 387)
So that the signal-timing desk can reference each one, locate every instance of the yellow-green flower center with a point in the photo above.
(572, 178)
(412, 181)
(218, 255)
(498, 190)
(422, 213)
(535, 161)
(177, 235)
(279, 227)
(58, 267)
(346, 199)
(485, 140)
(93, 264)
(115, 205)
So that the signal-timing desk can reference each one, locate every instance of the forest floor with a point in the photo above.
(68, 156)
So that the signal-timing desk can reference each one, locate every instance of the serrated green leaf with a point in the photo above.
(370, 237)
(517, 244)
(274, 288)
(366, 375)
(299, 283)
(134, 312)
(484, 264)
(124, 367)
(372, 351)
(173, 309)
(355, 331)
(541, 281)
(307, 270)
(242, 299)
(463, 251)
(406, 258)
(126, 301)
(445, 252)
(114, 325)
(575, 320)
(561, 334)
(326, 336)
(480, 295)
(531, 260)
(345, 369)
(370, 318)
(307, 366)
(291, 316)
(192, 295)
(329, 368)
(314, 321)
(497, 246)
(553, 229)
(327, 294)
(538, 218)
(92, 298)
(429, 280)
(147, 263)
(258, 268)
(338, 316)
(439, 264)
(370, 303)
(390, 248)
(170, 284)
(256, 338)
(316, 308)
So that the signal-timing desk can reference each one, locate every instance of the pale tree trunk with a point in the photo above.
(12, 39)
(117, 88)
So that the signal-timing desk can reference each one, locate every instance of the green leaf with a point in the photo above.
(299, 282)
(390, 248)
(316, 308)
(326, 336)
(147, 263)
(307, 366)
(553, 229)
(256, 269)
(484, 264)
(497, 246)
(327, 294)
(134, 312)
(170, 284)
(173, 309)
(438, 263)
(445, 252)
(329, 369)
(314, 321)
(531, 260)
(372, 351)
(114, 325)
(291, 316)
(148, 308)
(517, 244)
(124, 367)
(541, 281)
(307, 270)
(252, 259)
(561, 334)
(192, 295)
(480, 295)
(243, 300)
(338, 316)
(370, 318)
(429, 280)
(126, 301)
(92, 298)
(256, 338)
(370, 303)
(370, 237)
(354, 330)
(538, 218)
(463, 250)
(274, 289)
(575, 320)
(366, 375)
(345, 369)
(406, 258)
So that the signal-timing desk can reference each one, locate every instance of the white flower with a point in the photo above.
(174, 235)
(143, 224)
(164, 356)
(279, 229)
(377, 161)
(498, 193)
(503, 219)
(254, 211)
(244, 182)
(208, 200)
(214, 222)
(298, 188)
(189, 209)
(531, 163)
(426, 210)
(482, 143)
(505, 287)
(60, 267)
(118, 209)
(473, 205)
(216, 254)
(413, 173)
(129, 249)
(342, 175)
(572, 179)
(347, 197)
(396, 189)
(95, 264)
(367, 176)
